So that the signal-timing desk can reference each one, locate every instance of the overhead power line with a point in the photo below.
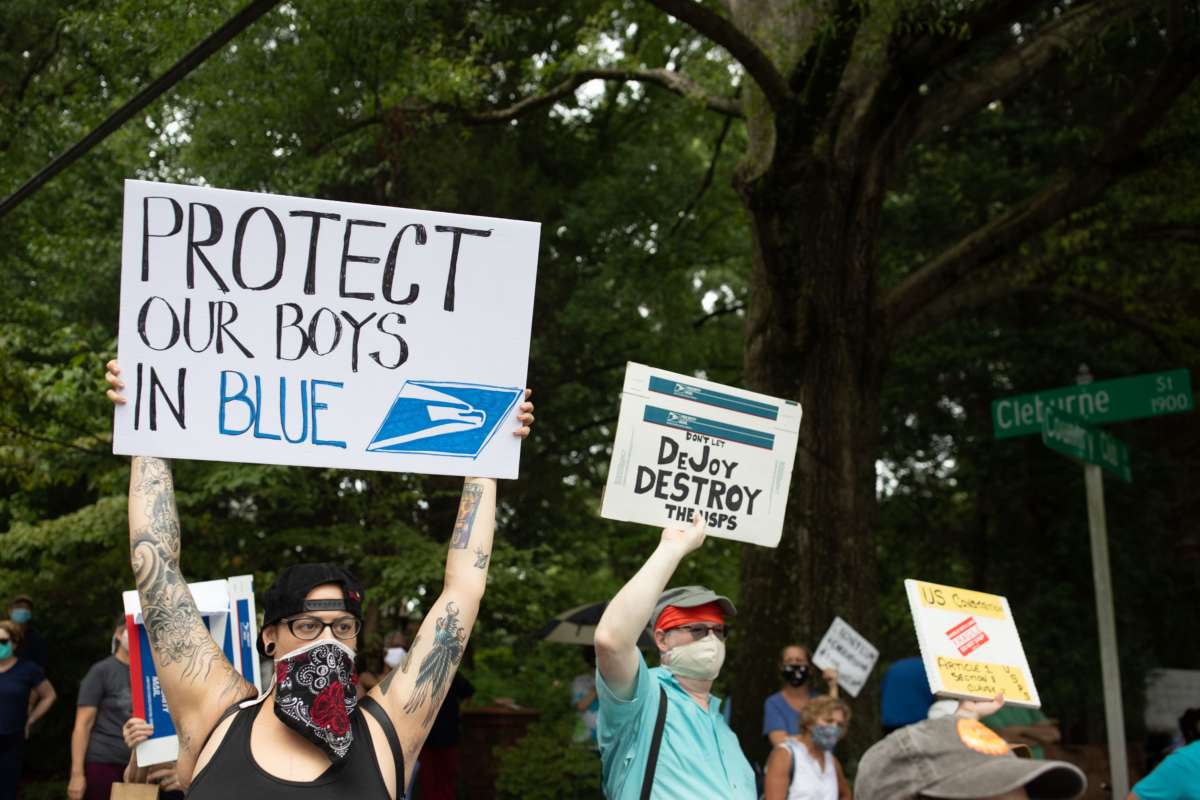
(174, 75)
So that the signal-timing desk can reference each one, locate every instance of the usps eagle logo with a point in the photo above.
(443, 418)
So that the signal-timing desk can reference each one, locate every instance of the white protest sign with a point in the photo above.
(286, 330)
(844, 649)
(685, 443)
(227, 608)
(1169, 693)
(970, 644)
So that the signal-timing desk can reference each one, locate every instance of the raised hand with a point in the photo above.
(135, 731)
(689, 538)
(525, 416)
(113, 376)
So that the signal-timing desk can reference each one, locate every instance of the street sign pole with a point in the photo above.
(1110, 670)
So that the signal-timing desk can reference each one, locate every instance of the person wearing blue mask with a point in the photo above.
(19, 678)
(33, 647)
(804, 767)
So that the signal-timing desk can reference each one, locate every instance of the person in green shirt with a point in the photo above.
(1028, 726)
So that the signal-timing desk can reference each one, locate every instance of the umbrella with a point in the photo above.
(578, 626)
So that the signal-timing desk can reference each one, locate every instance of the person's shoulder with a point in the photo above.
(31, 669)
(774, 698)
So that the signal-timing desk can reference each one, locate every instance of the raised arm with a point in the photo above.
(197, 679)
(413, 692)
(628, 612)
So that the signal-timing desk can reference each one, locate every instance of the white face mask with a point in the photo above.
(394, 657)
(700, 660)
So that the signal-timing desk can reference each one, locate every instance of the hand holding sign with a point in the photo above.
(686, 539)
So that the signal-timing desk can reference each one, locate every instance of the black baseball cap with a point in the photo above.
(286, 596)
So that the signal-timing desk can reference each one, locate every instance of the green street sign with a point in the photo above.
(1068, 435)
(1148, 395)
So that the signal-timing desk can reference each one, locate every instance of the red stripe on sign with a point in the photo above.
(960, 627)
(135, 667)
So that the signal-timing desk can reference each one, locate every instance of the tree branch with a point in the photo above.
(1115, 156)
(668, 79)
(740, 46)
(708, 178)
(1011, 70)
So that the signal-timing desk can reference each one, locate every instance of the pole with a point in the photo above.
(1110, 670)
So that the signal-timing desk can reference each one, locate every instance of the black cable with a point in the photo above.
(178, 72)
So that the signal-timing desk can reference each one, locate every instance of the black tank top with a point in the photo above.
(233, 773)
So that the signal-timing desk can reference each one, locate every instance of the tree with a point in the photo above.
(837, 97)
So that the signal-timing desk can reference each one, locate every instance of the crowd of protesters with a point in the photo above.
(658, 730)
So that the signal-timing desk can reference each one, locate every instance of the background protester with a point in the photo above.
(1028, 726)
(699, 755)
(1177, 777)
(905, 694)
(437, 779)
(33, 646)
(803, 767)
(98, 750)
(18, 678)
(585, 702)
(781, 711)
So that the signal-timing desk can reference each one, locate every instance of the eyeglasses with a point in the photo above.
(308, 628)
(699, 630)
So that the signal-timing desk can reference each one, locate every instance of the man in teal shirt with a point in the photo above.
(699, 755)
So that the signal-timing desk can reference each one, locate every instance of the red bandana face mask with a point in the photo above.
(315, 694)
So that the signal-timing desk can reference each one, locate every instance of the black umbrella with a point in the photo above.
(578, 626)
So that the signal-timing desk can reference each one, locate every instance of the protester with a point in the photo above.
(1027, 726)
(438, 777)
(668, 710)
(804, 767)
(781, 711)
(957, 756)
(1177, 777)
(585, 701)
(308, 722)
(33, 646)
(905, 694)
(98, 750)
(19, 677)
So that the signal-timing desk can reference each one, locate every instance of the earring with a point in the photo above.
(269, 647)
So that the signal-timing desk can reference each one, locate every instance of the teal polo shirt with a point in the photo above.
(699, 757)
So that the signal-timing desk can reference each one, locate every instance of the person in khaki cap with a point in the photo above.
(959, 758)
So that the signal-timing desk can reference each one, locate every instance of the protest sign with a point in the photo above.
(227, 608)
(845, 650)
(286, 330)
(970, 645)
(685, 443)
(1169, 693)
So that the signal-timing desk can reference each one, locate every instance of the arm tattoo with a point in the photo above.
(481, 558)
(386, 683)
(433, 678)
(177, 633)
(472, 494)
(408, 656)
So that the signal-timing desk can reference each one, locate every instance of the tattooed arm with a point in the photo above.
(198, 681)
(413, 693)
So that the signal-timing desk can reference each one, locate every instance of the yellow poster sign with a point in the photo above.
(949, 598)
(980, 678)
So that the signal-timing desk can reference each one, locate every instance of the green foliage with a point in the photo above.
(545, 765)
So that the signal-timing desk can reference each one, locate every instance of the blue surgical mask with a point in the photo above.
(20, 615)
(5, 650)
(826, 736)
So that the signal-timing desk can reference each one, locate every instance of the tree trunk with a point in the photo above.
(812, 336)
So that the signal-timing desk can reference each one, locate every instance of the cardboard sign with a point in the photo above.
(285, 330)
(685, 443)
(845, 650)
(1169, 693)
(970, 644)
(227, 608)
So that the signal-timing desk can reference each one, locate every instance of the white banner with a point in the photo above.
(685, 443)
(845, 650)
(286, 330)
